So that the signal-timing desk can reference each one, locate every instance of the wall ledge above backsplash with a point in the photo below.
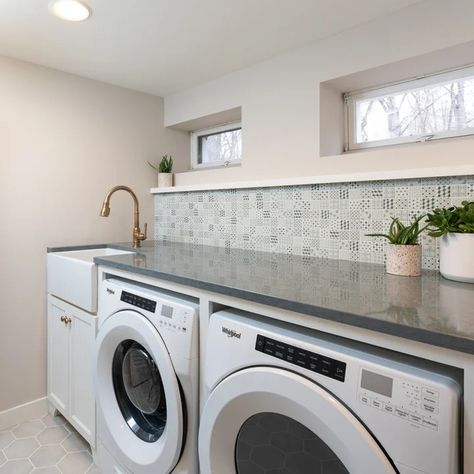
(413, 173)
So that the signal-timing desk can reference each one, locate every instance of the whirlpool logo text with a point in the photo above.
(231, 332)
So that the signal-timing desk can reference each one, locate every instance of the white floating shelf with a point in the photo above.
(324, 179)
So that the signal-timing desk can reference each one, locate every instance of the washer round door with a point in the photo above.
(270, 420)
(138, 394)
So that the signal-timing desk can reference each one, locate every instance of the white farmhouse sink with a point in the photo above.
(72, 275)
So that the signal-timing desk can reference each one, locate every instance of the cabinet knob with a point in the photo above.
(63, 318)
(68, 321)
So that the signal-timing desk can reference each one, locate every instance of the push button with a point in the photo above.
(430, 423)
(388, 408)
(430, 392)
(430, 399)
(377, 404)
(430, 408)
(364, 399)
(401, 413)
(416, 418)
(260, 343)
(301, 361)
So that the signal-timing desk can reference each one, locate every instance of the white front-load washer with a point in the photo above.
(283, 399)
(146, 380)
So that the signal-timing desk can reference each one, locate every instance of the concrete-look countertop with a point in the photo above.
(428, 309)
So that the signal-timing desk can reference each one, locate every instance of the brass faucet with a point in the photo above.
(138, 235)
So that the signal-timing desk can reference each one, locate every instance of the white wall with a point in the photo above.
(280, 103)
(64, 141)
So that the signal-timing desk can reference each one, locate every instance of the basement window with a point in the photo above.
(426, 108)
(217, 146)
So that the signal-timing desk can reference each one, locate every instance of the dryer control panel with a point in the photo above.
(405, 399)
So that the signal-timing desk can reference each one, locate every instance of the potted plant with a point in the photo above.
(165, 171)
(403, 250)
(455, 226)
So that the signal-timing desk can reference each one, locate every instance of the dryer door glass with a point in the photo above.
(271, 442)
(139, 390)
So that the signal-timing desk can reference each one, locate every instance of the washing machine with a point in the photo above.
(283, 399)
(146, 380)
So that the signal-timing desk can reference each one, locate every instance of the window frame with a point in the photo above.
(419, 82)
(195, 165)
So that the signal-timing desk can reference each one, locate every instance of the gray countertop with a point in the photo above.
(428, 309)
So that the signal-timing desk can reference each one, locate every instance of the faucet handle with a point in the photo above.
(142, 235)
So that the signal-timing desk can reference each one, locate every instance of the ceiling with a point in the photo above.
(162, 46)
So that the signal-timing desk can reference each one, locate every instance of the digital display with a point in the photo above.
(377, 383)
(167, 311)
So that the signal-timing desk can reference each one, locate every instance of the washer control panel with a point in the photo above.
(321, 364)
(404, 399)
(168, 315)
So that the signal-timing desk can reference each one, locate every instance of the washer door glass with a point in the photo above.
(139, 390)
(271, 442)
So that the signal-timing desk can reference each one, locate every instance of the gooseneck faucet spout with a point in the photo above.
(138, 235)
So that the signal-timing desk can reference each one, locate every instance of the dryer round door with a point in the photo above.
(270, 420)
(138, 395)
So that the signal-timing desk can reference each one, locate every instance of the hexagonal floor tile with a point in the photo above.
(6, 437)
(56, 420)
(3, 459)
(74, 443)
(93, 470)
(28, 429)
(46, 470)
(47, 455)
(22, 466)
(21, 448)
(52, 435)
(76, 463)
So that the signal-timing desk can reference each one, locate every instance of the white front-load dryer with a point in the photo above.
(146, 380)
(283, 399)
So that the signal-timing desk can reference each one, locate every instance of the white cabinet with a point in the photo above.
(71, 335)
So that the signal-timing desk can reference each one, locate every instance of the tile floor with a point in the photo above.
(49, 445)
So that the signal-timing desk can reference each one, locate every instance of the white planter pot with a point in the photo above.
(404, 260)
(165, 180)
(456, 257)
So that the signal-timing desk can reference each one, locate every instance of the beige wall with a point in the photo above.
(280, 98)
(64, 141)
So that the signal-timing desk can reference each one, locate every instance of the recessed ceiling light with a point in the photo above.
(70, 10)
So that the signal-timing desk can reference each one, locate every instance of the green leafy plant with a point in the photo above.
(453, 219)
(400, 234)
(164, 166)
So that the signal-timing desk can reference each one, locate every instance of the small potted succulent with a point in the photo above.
(403, 250)
(455, 226)
(165, 171)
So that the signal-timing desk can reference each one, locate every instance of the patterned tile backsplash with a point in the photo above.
(321, 220)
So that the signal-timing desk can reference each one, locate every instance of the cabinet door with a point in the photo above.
(58, 355)
(82, 399)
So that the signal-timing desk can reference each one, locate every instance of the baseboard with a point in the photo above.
(28, 411)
